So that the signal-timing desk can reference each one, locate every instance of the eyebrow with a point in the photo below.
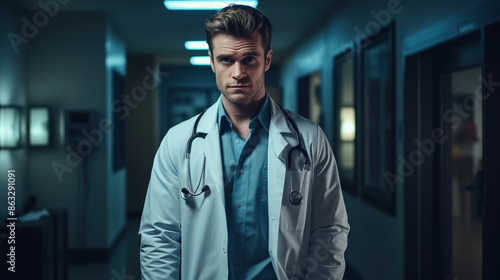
(252, 53)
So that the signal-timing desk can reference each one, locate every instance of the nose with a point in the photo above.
(239, 71)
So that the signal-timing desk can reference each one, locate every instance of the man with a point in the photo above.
(246, 190)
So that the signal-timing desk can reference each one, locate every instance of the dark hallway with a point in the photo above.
(406, 92)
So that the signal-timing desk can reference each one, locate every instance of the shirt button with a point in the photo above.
(239, 205)
(224, 250)
(237, 141)
(242, 172)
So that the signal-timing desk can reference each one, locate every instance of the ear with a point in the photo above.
(211, 61)
(268, 59)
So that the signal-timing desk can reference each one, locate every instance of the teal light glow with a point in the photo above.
(196, 45)
(204, 5)
(200, 60)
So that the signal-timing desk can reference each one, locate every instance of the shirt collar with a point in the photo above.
(264, 116)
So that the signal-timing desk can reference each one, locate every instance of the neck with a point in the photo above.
(241, 114)
(238, 113)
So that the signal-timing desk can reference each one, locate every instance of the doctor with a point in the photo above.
(245, 190)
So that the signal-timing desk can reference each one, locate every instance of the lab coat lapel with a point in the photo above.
(211, 148)
(281, 139)
(279, 144)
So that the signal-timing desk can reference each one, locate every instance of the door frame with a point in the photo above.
(492, 139)
(423, 210)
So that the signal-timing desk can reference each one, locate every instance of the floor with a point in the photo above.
(123, 264)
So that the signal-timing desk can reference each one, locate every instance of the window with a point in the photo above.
(378, 118)
(345, 120)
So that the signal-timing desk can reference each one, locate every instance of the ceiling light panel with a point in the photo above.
(204, 5)
(196, 45)
(200, 60)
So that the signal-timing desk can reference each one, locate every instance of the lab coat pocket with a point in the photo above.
(293, 217)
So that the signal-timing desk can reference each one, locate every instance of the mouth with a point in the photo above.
(239, 86)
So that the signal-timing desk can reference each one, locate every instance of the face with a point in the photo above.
(239, 65)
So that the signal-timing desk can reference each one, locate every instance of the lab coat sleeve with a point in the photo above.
(329, 226)
(160, 223)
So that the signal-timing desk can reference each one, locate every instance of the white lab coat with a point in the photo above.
(189, 237)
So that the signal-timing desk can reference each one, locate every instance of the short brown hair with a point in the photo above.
(239, 21)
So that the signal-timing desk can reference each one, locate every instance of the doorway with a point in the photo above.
(450, 108)
(462, 174)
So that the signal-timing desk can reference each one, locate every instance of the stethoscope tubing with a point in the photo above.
(295, 197)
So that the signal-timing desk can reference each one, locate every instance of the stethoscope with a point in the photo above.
(295, 197)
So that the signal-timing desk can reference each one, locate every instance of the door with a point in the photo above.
(459, 181)
(463, 173)
(452, 108)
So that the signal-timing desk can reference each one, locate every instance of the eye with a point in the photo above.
(249, 59)
(226, 60)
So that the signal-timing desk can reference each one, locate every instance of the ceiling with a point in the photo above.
(147, 27)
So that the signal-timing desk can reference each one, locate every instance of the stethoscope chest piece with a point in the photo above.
(295, 198)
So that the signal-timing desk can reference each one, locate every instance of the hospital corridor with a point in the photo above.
(369, 148)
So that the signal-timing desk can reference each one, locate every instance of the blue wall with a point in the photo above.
(65, 66)
(12, 92)
(376, 242)
(116, 180)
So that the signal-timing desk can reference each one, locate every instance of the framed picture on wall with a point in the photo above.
(184, 103)
(39, 126)
(345, 119)
(377, 130)
(309, 97)
(10, 127)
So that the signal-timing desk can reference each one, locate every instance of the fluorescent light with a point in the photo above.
(200, 60)
(204, 5)
(196, 45)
